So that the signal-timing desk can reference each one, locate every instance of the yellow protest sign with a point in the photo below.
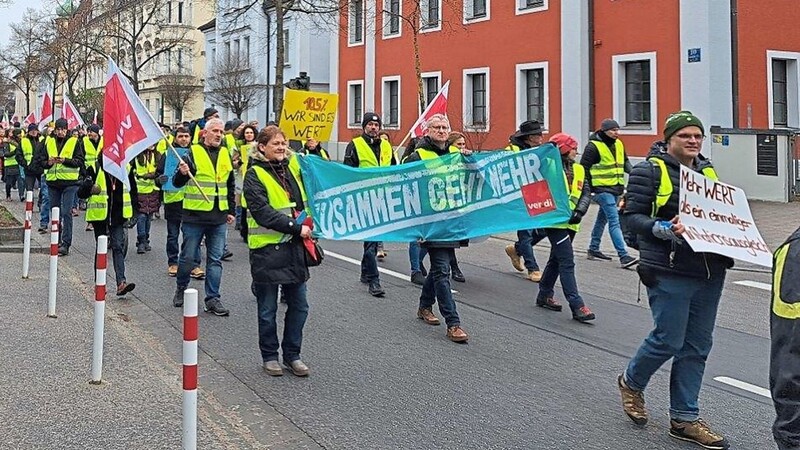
(308, 114)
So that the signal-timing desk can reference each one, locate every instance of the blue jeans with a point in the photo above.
(173, 231)
(561, 264)
(437, 285)
(190, 253)
(684, 311)
(293, 322)
(143, 229)
(369, 262)
(526, 239)
(44, 204)
(416, 254)
(63, 197)
(607, 213)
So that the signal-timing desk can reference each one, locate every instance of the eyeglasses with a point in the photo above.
(688, 136)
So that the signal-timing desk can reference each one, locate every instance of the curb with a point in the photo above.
(20, 249)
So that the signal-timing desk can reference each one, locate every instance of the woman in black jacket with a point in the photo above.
(275, 197)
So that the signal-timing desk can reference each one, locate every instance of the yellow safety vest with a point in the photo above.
(610, 171)
(162, 145)
(323, 154)
(97, 205)
(665, 183)
(513, 148)
(429, 154)
(60, 172)
(574, 191)
(145, 185)
(27, 149)
(258, 236)
(230, 142)
(196, 138)
(366, 157)
(10, 158)
(785, 308)
(213, 181)
(92, 152)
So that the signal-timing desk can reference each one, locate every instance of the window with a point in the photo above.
(391, 18)
(430, 84)
(391, 102)
(634, 93)
(780, 94)
(180, 12)
(476, 99)
(246, 49)
(286, 42)
(355, 103)
(356, 22)
(235, 49)
(532, 93)
(430, 15)
(476, 10)
(227, 51)
(169, 12)
(529, 6)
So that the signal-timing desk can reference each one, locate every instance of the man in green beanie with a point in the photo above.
(683, 287)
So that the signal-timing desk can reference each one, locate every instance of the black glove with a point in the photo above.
(162, 180)
(575, 218)
(88, 182)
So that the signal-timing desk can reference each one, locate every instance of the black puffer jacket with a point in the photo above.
(591, 156)
(654, 253)
(275, 263)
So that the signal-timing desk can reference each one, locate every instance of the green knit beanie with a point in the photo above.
(679, 120)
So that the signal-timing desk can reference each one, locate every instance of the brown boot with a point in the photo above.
(632, 402)
(516, 261)
(457, 334)
(427, 315)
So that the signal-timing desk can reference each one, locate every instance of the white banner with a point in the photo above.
(718, 220)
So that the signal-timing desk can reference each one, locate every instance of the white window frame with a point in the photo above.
(385, 102)
(466, 95)
(386, 34)
(618, 92)
(522, 104)
(354, 122)
(468, 19)
(792, 87)
(351, 26)
(519, 9)
(424, 75)
(423, 6)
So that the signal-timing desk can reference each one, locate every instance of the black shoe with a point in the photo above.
(548, 303)
(363, 279)
(417, 278)
(140, 249)
(214, 306)
(628, 261)
(583, 314)
(42, 230)
(227, 255)
(596, 254)
(457, 275)
(375, 289)
(177, 300)
(124, 288)
(147, 247)
(423, 269)
(63, 251)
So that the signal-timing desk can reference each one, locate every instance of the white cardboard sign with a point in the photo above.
(718, 220)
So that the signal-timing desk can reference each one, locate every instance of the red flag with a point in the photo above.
(437, 106)
(70, 112)
(128, 128)
(47, 111)
(30, 119)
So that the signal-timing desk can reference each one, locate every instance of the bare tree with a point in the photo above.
(74, 40)
(177, 88)
(234, 84)
(23, 57)
(89, 100)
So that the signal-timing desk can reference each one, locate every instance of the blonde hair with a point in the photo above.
(437, 118)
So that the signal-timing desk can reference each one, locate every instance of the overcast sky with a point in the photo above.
(13, 13)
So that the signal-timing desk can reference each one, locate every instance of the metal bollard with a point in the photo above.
(51, 298)
(190, 333)
(26, 246)
(99, 308)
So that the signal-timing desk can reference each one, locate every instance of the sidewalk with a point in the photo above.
(46, 369)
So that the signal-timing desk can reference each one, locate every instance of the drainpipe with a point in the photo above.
(592, 105)
(735, 61)
(268, 102)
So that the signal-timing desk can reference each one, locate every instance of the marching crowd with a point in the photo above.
(209, 174)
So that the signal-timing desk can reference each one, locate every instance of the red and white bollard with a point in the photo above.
(51, 298)
(26, 247)
(101, 263)
(190, 369)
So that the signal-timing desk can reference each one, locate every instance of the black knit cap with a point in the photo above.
(370, 117)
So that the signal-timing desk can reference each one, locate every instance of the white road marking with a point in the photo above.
(744, 386)
(389, 272)
(754, 284)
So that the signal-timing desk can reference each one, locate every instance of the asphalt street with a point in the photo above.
(382, 379)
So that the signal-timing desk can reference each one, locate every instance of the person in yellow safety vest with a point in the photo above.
(173, 202)
(313, 147)
(275, 197)
(561, 263)
(33, 168)
(198, 125)
(366, 151)
(208, 208)
(149, 196)
(65, 157)
(784, 366)
(529, 135)
(684, 287)
(164, 143)
(111, 209)
(93, 145)
(437, 284)
(245, 143)
(11, 168)
(606, 162)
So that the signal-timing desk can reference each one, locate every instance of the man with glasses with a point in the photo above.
(606, 162)
(683, 287)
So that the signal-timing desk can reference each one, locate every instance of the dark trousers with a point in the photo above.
(293, 322)
(369, 262)
(437, 285)
(117, 246)
(560, 265)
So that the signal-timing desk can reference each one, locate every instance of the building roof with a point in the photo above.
(210, 25)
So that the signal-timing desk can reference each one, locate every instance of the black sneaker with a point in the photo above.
(227, 255)
(628, 261)
(375, 289)
(457, 274)
(42, 230)
(177, 300)
(548, 303)
(583, 314)
(597, 254)
(147, 247)
(140, 249)
(417, 278)
(363, 279)
(63, 251)
(214, 306)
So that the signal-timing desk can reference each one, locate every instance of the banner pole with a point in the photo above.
(180, 160)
